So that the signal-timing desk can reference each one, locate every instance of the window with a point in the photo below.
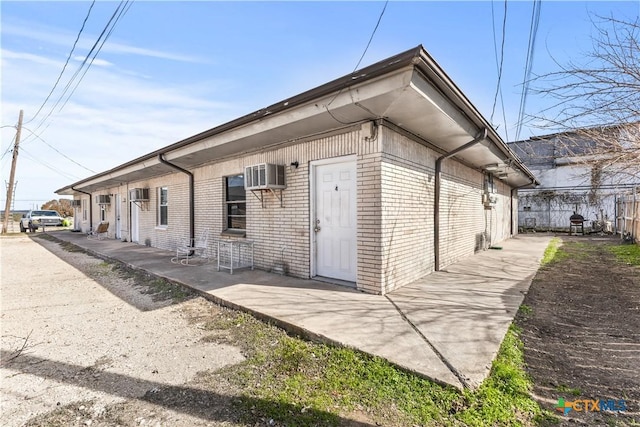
(84, 209)
(163, 206)
(103, 213)
(236, 201)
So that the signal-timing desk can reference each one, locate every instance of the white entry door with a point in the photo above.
(334, 219)
(135, 235)
(118, 208)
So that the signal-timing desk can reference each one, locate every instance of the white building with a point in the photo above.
(576, 174)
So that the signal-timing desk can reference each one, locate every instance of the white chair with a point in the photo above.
(188, 249)
(99, 233)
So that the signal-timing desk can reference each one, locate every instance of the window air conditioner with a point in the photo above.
(264, 176)
(103, 199)
(76, 203)
(139, 195)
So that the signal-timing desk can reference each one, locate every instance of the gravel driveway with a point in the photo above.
(79, 333)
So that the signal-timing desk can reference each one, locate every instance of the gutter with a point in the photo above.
(436, 199)
(513, 192)
(90, 206)
(192, 209)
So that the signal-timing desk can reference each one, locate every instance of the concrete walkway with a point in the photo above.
(447, 326)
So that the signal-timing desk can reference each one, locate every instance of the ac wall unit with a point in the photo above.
(103, 199)
(76, 203)
(264, 176)
(139, 195)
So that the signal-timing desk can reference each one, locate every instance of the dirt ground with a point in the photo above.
(86, 343)
(581, 330)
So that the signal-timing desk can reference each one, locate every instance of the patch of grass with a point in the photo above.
(525, 310)
(553, 253)
(335, 381)
(503, 398)
(163, 289)
(628, 254)
(566, 389)
(69, 247)
(296, 382)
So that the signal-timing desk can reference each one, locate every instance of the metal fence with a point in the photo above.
(628, 215)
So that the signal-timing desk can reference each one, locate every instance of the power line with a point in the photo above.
(533, 31)
(100, 40)
(123, 11)
(64, 67)
(82, 65)
(500, 63)
(15, 135)
(57, 151)
(373, 33)
(8, 150)
(47, 165)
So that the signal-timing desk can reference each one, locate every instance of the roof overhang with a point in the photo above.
(410, 90)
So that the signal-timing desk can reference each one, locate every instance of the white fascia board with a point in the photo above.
(120, 174)
(369, 90)
(433, 95)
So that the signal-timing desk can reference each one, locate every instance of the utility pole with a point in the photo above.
(12, 176)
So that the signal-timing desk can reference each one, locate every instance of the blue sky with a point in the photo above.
(173, 69)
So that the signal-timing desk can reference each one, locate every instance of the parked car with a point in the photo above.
(36, 219)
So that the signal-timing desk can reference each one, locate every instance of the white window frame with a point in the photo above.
(228, 202)
(161, 206)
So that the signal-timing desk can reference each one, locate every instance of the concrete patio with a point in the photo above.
(447, 326)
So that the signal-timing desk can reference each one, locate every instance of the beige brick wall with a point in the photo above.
(466, 226)
(149, 232)
(272, 227)
(395, 196)
(501, 214)
(407, 210)
(369, 200)
(462, 214)
(407, 244)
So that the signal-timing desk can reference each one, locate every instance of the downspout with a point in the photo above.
(513, 192)
(90, 207)
(436, 198)
(192, 224)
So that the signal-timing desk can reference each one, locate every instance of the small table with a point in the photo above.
(234, 250)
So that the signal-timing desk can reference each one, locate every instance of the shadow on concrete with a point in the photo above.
(204, 404)
(160, 294)
(205, 276)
